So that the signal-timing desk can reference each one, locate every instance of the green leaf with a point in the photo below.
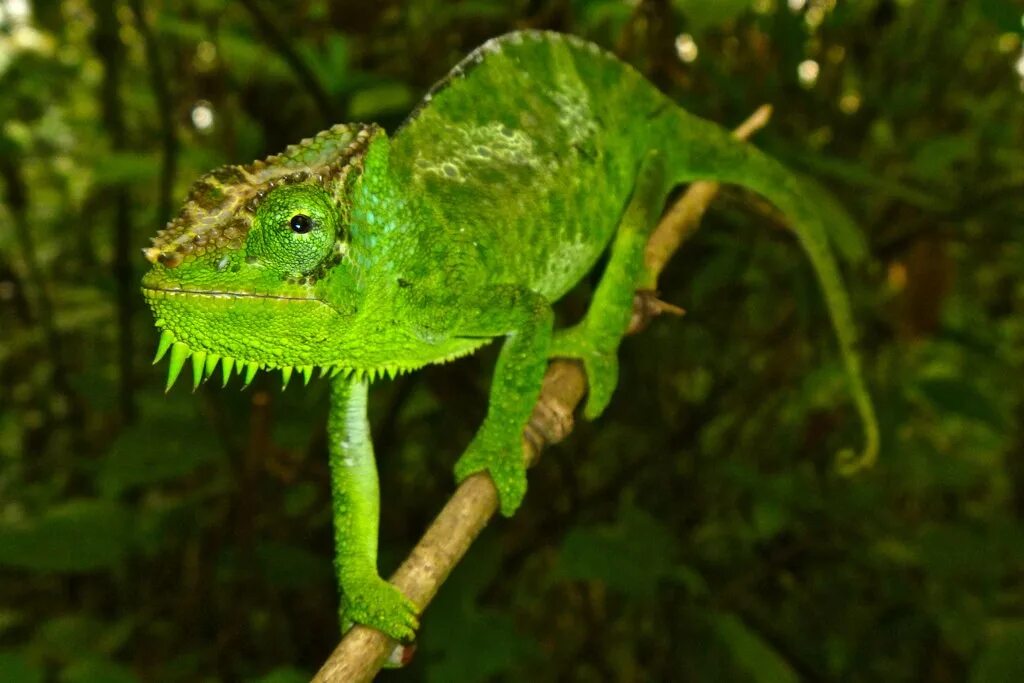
(750, 652)
(15, 666)
(1002, 659)
(288, 566)
(489, 644)
(332, 63)
(936, 158)
(284, 674)
(463, 641)
(81, 535)
(1004, 14)
(137, 459)
(97, 671)
(703, 15)
(379, 100)
(609, 554)
(956, 396)
(125, 167)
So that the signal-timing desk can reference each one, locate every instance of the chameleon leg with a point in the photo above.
(366, 598)
(525, 318)
(595, 340)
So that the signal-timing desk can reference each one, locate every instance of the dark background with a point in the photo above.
(698, 531)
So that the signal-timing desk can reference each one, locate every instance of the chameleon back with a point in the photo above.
(531, 143)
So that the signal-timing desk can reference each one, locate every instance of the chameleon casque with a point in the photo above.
(366, 255)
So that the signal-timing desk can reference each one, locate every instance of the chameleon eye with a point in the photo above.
(301, 223)
(294, 230)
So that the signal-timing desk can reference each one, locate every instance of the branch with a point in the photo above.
(305, 75)
(165, 112)
(111, 51)
(363, 650)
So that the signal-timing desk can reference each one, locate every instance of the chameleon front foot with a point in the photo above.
(600, 365)
(503, 461)
(374, 602)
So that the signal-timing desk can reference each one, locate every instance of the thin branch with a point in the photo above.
(17, 193)
(363, 651)
(285, 47)
(108, 46)
(164, 109)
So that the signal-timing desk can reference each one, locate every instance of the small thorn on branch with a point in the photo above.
(646, 307)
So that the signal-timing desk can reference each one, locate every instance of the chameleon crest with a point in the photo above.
(219, 209)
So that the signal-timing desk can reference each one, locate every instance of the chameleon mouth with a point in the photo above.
(220, 294)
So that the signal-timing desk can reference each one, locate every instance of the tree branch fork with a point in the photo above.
(363, 651)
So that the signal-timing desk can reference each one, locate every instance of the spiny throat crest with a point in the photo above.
(204, 365)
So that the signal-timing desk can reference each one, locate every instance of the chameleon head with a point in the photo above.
(246, 274)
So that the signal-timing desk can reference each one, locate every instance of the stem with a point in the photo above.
(305, 75)
(164, 110)
(111, 53)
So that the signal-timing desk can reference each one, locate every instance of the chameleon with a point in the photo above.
(362, 255)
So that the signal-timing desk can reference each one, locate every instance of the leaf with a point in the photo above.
(332, 63)
(70, 637)
(609, 554)
(463, 641)
(288, 566)
(1002, 659)
(703, 15)
(376, 101)
(78, 536)
(750, 652)
(956, 396)
(722, 270)
(125, 167)
(489, 644)
(97, 671)
(935, 160)
(284, 674)
(15, 666)
(136, 459)
(1004, 14)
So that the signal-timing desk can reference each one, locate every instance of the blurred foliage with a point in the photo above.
(697, 531)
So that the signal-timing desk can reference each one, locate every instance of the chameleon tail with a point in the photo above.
(707, 152)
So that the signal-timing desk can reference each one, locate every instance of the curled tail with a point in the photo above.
(705, 151)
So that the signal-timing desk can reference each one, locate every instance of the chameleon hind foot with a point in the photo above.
(374, 602)
(601, 365)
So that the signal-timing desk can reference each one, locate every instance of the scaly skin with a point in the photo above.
(365, 255)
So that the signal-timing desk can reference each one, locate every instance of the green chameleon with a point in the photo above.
(366, 255)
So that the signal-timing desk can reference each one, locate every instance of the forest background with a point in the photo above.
(698, 531)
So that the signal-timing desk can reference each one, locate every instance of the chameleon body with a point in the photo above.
(365, 255)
